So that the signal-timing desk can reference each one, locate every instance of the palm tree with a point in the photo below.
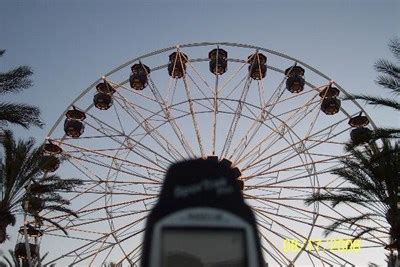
(44, 191)
(15, 81)
(388, 79)
(372, 171)
(21, 178)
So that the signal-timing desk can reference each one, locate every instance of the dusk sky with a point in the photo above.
(71, 44)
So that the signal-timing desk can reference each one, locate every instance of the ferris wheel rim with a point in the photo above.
(196, 45)
(159, 51)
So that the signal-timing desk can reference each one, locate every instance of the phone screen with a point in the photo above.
(203, 247)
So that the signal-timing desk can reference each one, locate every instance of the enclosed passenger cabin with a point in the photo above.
(218, 61)
(49, 163)
(330, 104)
(138, 79)
(31, 230)
(52, 149)
(257, 68)
(73, 125)
(359, 121)
(329, 92)
(295, 79)
(105, 87)
(177, 65)
(360, 135)
(103, 99)
(21, 253)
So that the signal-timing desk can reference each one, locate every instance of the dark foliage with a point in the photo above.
(372, 172)
(388, 79)
(14, 81)
(22, 179)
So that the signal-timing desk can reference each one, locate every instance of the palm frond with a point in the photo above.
(377, 101)
(19, 168)
(389, 82)
(347, 221)
(378, 133)
(350, 221)
(15, 80)
(388, 68)
(55, 183)
(39, 218)
(394, 46)
(363, 232)
(335, 199)
(61, 209)
(20, 114)
(372, 171)
(48, 186)
(16, 164)
(54, 198)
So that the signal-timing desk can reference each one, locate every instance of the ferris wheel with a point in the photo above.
(279, 121)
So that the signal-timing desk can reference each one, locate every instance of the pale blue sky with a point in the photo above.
(70, 44)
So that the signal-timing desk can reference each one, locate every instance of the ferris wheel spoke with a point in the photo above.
(137, 107)
(296, 177)
(87, 246)
(171, 90)
(108, 247)
(101, 164)
(75, 227)
(167, 112)
(298, 143)
(81, 221)
(132, 255)
(273, 201)
(276, 134)
(269, 252)
(93, 257)
(377, 223)
(151, 130)
(234, 74)
(201, 77)
(278, 252)
(193, 115)
(260, 88)
(120, 247)
(256, 125)
(197, 86)
(214, 118)
(266, 110)
(130, 91)
(236, 117)
(294, 234)
(283, 237)
(266, 172)
(72, 199)
(280, 131)
(138, 143)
